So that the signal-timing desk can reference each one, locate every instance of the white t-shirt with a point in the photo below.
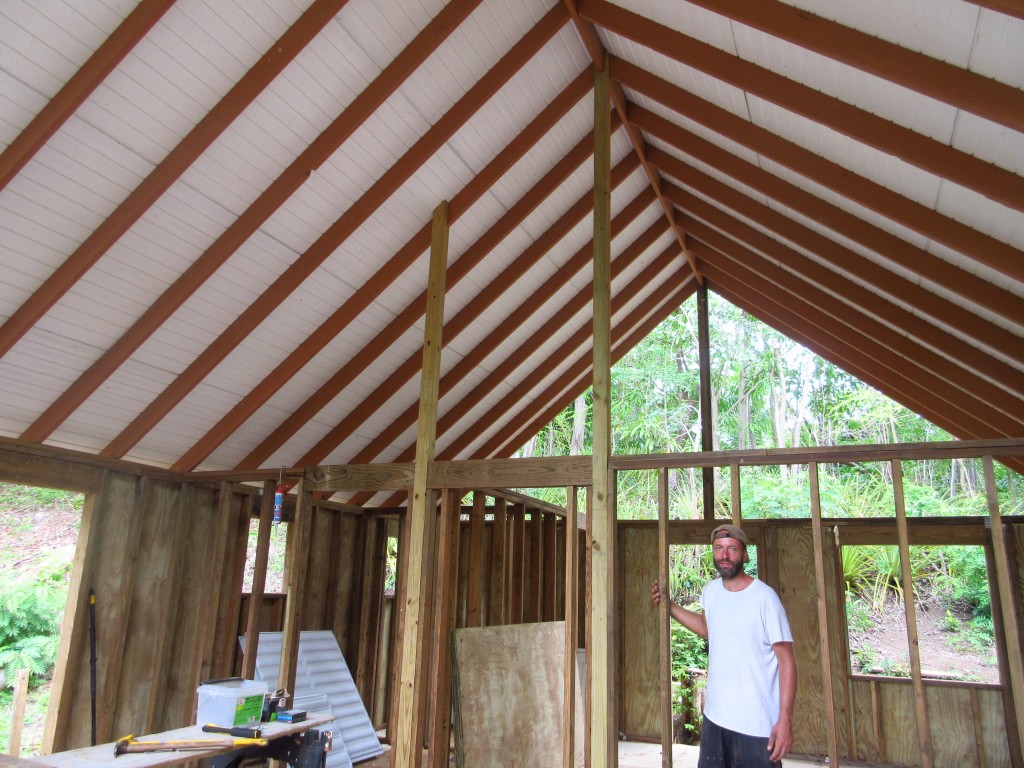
(743, 672)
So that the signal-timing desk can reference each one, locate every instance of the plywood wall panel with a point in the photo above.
(793, 575)
(189, 597)
(952, 731)
(993, 729)
(508, 684)
(638, 624)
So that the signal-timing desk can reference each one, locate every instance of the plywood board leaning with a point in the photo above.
(508, 690)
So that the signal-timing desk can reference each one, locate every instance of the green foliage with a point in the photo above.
(964, 577)
(14, 496)
(30, 615)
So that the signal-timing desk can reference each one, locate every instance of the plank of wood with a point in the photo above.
(497, 610)
(665, 622)
(259, 581)
(441, 668)
(1014, 654)
(913, 639)
(18, 711)
(570, 693)
(523, 725)
(407, 745)
(299, 531)
(601, 647)
(823, 633)
(474, 587)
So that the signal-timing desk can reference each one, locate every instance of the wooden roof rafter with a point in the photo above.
(551, 326)
(257, 213)
(372, 290)
(351, 421)
(337, 233)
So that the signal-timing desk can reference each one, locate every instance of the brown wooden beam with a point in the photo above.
(338, 232)
(948, 380)
(870, 301)
(367, 293)
(937, 79)
(935, 157)
(973, 325)
(517, 316)
(76, 90)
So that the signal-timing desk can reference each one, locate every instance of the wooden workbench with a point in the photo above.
(103, 754)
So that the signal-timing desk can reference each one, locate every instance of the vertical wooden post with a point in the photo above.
(737, 503)
(550, 563)
(536, 580)
(826, 655)
(516, 571)
(704, 367)
(497, 612)
(474, 586)
(602, 691)
(447, 579)
(406, 753)
(18, 711)
(1009, 615)
(295, 584)
(664, 621)
(259, 581)
(913, 644)
(571, 630)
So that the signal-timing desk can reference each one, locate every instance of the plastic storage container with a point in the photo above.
(230, 702)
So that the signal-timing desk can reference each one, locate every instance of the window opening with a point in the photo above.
(952, 597)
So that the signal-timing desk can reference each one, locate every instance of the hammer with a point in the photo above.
(130, 744)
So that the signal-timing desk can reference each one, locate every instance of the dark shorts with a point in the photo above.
(721, 748)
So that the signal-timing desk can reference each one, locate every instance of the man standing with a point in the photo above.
(748, 711)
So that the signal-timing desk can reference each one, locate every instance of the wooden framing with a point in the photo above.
(601, 640)
(408, 740)
(128, 544)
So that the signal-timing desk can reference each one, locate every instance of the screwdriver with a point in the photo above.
(238, 730)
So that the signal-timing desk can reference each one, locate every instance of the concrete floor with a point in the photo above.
(632, 754)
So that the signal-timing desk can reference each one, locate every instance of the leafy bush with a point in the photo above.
(30, 615)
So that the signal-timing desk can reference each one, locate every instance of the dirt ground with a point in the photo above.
(943, 653)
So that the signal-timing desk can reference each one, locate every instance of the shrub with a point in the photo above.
(30, 615)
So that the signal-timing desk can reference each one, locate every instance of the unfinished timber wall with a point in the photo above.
(165, 553)
(875, 717)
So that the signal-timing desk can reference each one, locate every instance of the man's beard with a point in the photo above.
(728, 569)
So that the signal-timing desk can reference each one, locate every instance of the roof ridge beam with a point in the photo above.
(168, 171)
(932, 156)
(599, 57)
(336, 234)
(370, 290)
(540, 245)
(983, 96)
